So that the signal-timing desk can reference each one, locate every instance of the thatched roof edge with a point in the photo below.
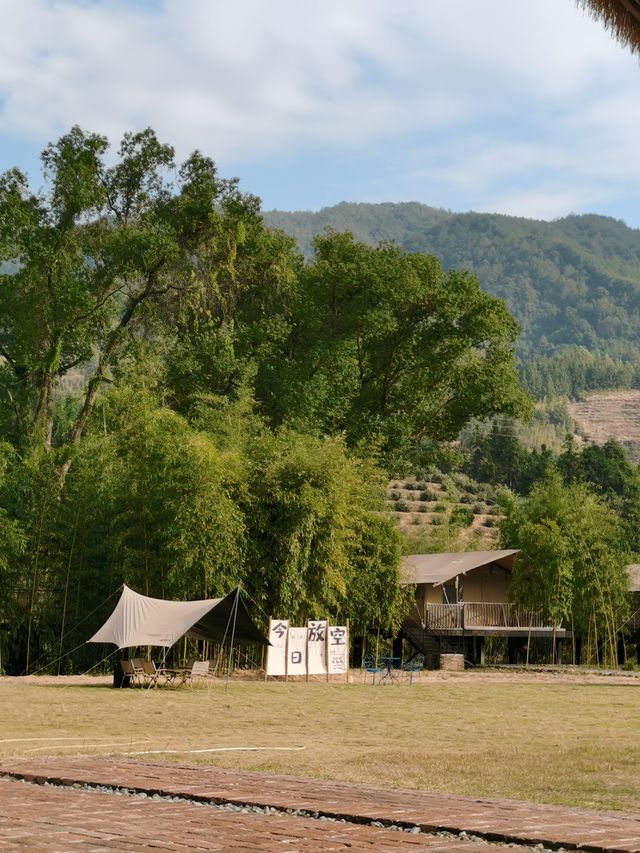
(621, 17)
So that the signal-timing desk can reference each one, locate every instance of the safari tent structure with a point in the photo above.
(463, 598)
(632, 628)
(138, 620)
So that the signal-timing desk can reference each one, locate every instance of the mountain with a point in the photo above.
(574, 282)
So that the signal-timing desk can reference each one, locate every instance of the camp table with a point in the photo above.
(389, 677)
(176, 675)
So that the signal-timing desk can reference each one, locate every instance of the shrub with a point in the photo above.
(450, 488)
(395, 496)
(428, 495)
(462, 481)
(462, 515)
(402, 506)
(437, 519)
(440, 507)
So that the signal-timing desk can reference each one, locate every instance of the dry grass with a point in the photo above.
(568, 740)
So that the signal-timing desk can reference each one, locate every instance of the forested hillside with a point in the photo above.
(572, 282)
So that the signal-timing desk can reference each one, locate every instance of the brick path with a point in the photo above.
(67, 819)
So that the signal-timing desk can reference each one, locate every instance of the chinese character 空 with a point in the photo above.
(338, 636)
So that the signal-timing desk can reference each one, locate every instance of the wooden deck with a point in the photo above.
(479, 618)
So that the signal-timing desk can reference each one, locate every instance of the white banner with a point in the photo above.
(277, 651)
(338, 649)
(297, 651)
(317, 647)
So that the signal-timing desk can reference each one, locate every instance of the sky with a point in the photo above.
(509, 106)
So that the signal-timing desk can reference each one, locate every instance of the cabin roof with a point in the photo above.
(437, 569)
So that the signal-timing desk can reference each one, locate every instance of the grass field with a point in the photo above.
(567, 740)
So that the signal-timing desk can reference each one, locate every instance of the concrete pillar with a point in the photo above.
(480, 655)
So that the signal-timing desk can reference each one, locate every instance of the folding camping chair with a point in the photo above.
(130, 674)
(151, 673)
(138, 667)
(200, 671)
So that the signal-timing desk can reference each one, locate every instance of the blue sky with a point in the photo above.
(523, 108)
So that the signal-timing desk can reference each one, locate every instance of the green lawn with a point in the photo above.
(557, 741)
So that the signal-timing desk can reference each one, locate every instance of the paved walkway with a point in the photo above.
(46, 818)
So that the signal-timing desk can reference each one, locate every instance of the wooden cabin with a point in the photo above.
(632, 627)
(463, 598)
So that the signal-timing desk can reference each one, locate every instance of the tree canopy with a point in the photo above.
(185, 404)
(391, 351)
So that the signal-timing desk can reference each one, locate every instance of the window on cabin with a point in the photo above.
(449, 593)
(452, 593)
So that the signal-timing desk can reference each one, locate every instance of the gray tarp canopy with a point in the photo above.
(142, 621)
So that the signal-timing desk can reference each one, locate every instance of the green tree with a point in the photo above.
(572, 560)
(85, 261)
(313, 530)
(389, 349)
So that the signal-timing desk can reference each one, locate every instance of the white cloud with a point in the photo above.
(480, 93)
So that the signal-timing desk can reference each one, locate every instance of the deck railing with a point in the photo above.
(480, 614)
(443, 617)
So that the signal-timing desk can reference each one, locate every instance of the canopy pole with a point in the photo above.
(233, 633)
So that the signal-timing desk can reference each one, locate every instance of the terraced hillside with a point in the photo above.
(610, 414)
(466, 517)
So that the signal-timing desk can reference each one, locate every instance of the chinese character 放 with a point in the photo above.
(316, 633)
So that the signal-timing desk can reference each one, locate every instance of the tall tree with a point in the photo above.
(85, 259)
(388, 348)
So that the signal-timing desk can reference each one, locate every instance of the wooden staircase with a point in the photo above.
(430, 643)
